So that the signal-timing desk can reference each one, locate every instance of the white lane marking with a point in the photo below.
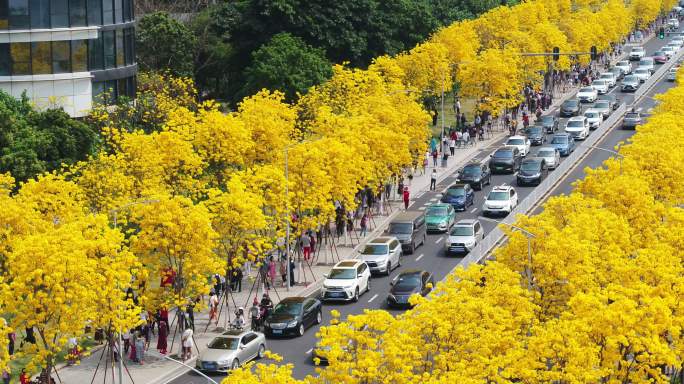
(420, 257)
(433, 199)
(473, 210)
(421, 208)
(439, 240)
(373, 298)
(639, 109)
(309, 351)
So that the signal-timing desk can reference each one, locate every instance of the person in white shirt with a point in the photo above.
(433, 179)
(186, 341)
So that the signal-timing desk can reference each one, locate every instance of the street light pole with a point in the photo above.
(616, 153)
(287, 221)
(529, 235)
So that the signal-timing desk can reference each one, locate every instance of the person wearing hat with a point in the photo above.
(406, 196)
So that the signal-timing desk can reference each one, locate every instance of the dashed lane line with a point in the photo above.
(420, 257)
(373, 298)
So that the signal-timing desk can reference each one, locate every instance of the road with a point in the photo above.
(431, 256)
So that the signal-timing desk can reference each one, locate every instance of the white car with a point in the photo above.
(382, 254)
(669, 51)
(587, 94)
(521, 142)
(501, 199)
(347, 280)
(677, 39)
(674, 23)
(637, 53)
(647, 62)
(642, 74)
(601, 86)
(594, 117)
(577, 127)
(230, 350)
(609, 77)
(625, 66)
(463, 237)
(631, 83)
(671, 74)
(603, 106)
(550, 155)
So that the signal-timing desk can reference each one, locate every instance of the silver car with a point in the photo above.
(231, 350)
(550, 155)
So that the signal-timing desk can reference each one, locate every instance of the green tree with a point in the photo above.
(286, 64)
(165, 43)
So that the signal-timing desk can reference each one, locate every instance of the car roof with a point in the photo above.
(464, 222)
(577, 118)
(593, 110)
(505, 148)
(411, 272)
(439, 205)
(564, 134)
(235, 332)
(381, 240)
(348, 264)
(293, 299)
(460, 185)
(517, 137)
(502, 187)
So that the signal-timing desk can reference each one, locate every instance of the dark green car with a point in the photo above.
(440, 217)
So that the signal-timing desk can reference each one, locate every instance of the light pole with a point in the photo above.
(529, 235)
(616, 153)
(115, 212)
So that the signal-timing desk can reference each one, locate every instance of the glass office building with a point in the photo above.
(67, 52)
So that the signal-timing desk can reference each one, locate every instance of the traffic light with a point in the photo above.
(594, 53)
(556, 53)
(661, 33)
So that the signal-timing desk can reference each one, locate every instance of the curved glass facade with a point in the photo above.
(109, 57)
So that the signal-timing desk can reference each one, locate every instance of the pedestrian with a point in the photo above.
(161, 340)
(292, 273)
(463, 120)
(435, 154)
(306, 245)
(254, 312)
(465, 138)
(272, 270)
(458, 106)
(140, 348)
(400, 188)
(186, 342)
(236, 280)
(126, 336)
(23, 377)
(189, 309)
(452, 146)
(263, 274)
(217, 284)
(433, 179)
(364, 224)
(133, 355)
(283, 270)
(426, 161)
(406, 197)
(213, 307)
(12, 339)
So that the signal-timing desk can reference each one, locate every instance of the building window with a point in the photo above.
(98, 89)
(128, 10)
(79, 55)
(4, 59)
(19, 14)
(131, 87)
(119, 48)
(40, 14)
(61, 54)
(94, 12)
(4, 14)
(59, 13)
(41, 62)
(77, 13)
(21, 58)
(110, 90)
(109, 49)
(95, 54)
(118, 11)
(129, 47)
(107, 12)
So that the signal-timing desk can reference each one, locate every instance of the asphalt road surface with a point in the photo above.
(431, 256)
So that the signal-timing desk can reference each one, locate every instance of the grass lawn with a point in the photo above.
(467, 107)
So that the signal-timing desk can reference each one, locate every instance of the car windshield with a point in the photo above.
(228, 343)
(637, 49)
(587, 89)
(642, 71)
(455, 192)
(575, 124)
(400, 228)
(407, 281)
(599, 82)
(546, 153)
(602, 104)
(591, 115)
(339, 273)
(515, 142)
(622, 64)
(547, 119)
(375, 249)
(570, 103)
(291, 308)
(530, 166)
(503, 154)
(437, 211)
(470, 170)
(497, 195)
(629, 79)
(559, 140)
(606, 75)
(658, 53)
(461, 231)
(533, 131)
(632, 115)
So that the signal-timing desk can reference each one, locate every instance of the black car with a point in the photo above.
(571, 108)
(505, 160)
(406, 284)
(475, 174)
(548, 122)
(614, 101)
(536, 135)
(292, 316)
(532, 171)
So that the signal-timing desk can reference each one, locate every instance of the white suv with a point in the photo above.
(346, 281)
(382, 254)
(464, 236)
(625, 66)
(578, 127)
(609, 77)
(501, 199)
(637, 53)
(520, 142)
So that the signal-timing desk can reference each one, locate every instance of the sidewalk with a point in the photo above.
(159, 370)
